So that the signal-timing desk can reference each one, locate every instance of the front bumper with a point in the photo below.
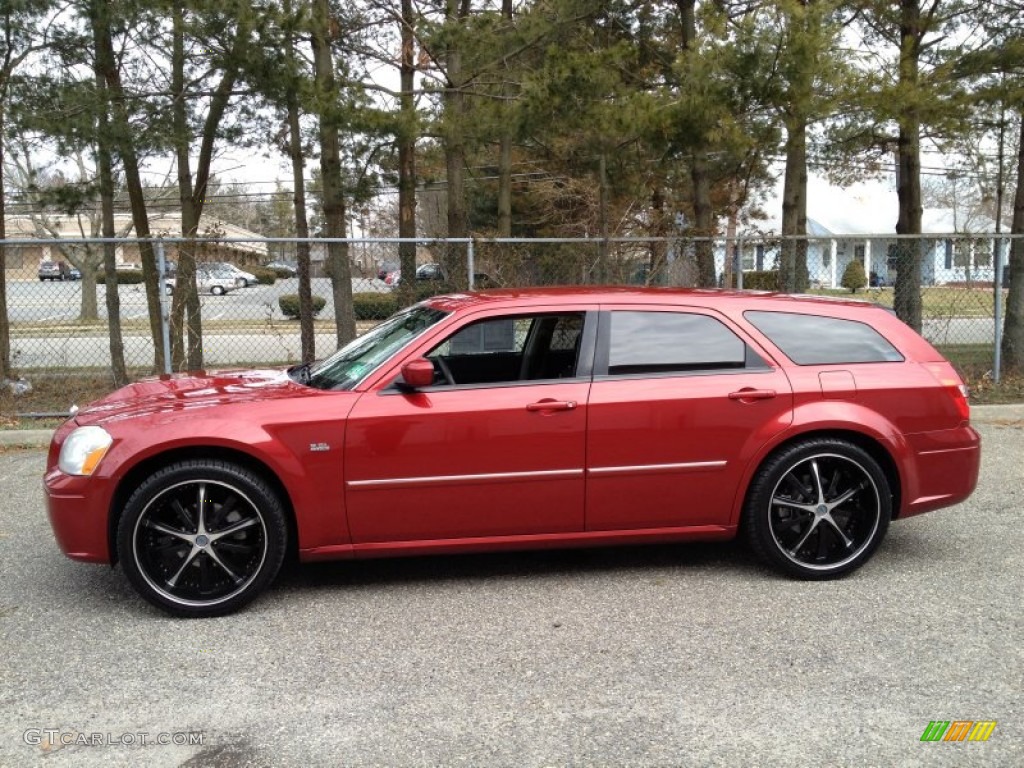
(78, 514)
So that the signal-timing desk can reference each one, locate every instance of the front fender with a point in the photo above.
(305, 457)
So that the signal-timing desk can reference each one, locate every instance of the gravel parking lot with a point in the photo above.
(667, 656)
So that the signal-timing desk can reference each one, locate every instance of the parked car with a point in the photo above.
(426, 273)
(242, 278)
(535, 418)
(54, 270)
(216, 282)
(282, 267)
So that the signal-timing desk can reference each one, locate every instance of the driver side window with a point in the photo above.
(510, 349)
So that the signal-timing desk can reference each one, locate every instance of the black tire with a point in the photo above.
(817, 509)
(202, 538)
(217, 290)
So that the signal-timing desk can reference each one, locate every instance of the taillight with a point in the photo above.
(950, 380)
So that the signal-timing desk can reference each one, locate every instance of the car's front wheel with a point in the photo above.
(217, 290)
(202, 538)
(818, 509)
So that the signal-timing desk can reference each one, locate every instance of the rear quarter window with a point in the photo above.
(820, 340)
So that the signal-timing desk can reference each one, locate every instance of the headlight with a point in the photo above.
(83, 450)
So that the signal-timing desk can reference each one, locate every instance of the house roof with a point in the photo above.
(161, 225)
(865, 208)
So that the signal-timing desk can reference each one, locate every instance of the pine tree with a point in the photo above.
(916, 92)
(21, 38)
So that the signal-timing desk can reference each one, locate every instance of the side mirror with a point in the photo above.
(418, 373)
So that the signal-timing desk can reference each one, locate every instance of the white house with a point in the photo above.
(859, 223)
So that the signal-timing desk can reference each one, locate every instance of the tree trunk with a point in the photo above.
(113, 300)
(89, 308)
(5, 328)
(455, 149)
(330, 173)
(122, 133)
(704, 221)
(193, 195)
(793, 277)
(907, 294)
(185, 306)
(732, 261)
(407, 157)
(657, 261)
(602, 218)
(1013, 323)
(703, 213)
(307, 332)
(505, 152)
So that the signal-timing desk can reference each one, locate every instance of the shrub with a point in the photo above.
(264, 276)
(374, 306)
(289, 304)
(763, 280)
(281, 272)
(854, 277)
(124, 277)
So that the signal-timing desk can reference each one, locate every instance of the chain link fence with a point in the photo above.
(59, 329)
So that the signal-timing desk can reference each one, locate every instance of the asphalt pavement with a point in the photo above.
(657, 656)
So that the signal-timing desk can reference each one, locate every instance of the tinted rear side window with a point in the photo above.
(817, 340)
(664, 342)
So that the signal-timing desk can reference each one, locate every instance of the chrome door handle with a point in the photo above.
(752, 394)
(552, 405)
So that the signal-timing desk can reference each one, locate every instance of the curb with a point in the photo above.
(25, 438)
(980, 414)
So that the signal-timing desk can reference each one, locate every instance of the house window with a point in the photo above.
(860, 252)
(982, 254)
(826, 257)
(759, 257)
(948, 260)
(15, 258)
(746, 259)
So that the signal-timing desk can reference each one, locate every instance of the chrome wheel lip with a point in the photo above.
(158, 588)
(861, 546)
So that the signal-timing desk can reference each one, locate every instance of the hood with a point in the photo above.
(188, 392)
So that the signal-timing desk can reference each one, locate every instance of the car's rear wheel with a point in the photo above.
(202, 538)
(818, 509)
(217, 290)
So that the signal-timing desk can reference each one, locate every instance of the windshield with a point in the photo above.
(353, 362)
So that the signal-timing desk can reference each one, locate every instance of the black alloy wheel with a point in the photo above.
(202, 538)
(818, 509)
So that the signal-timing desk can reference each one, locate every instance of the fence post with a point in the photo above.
(997, 286)
(470, 261)
(833, 252)
(165, 318)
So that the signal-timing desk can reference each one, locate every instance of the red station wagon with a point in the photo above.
(524, 419)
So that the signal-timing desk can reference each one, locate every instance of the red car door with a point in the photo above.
(680, 403)
(499, 451)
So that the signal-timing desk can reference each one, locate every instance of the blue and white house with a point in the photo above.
(859, 223)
